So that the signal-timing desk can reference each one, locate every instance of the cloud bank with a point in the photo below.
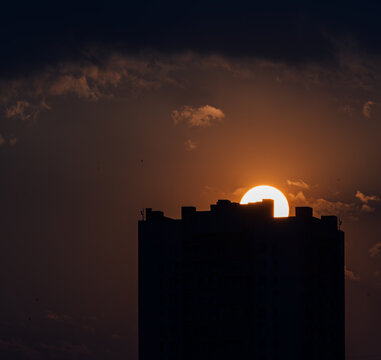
(323, 206)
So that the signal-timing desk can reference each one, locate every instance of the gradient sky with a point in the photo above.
(107, 109)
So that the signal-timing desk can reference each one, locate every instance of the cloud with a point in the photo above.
(19, 110)
(116, 75)
(298, 183)
(366, 198)
(121, 75)
(200, 117)
(325, 207)
(61, 318)
(24, 110)
(371, 108)
(89, 80)
(11, 141)
(190, 145)
(259, 34)
(240, 191)
(367, 109)
(251, 34)
(298, 199)
(97, 76)
(76, 85)
(350, 275)
(94, 81)
(375, 250)
(366, 208)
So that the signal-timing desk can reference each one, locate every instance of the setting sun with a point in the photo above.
(258, 193)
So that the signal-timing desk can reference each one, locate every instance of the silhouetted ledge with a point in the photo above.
(246, 213)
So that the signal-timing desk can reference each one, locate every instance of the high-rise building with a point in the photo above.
(236, 283)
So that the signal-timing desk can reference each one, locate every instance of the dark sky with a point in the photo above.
(109, 108)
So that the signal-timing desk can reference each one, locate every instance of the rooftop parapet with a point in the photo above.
(153, 215)
(303, 212)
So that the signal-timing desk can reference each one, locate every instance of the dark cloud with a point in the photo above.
(38, 35)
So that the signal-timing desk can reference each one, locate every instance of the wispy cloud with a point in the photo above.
(375, 250)
(24, 110)
(240, 191)
(323, 206)
(298, 200)
(298, 183)
(203, 116)
(13, 141)
(25, 99)
(350, 275)
(367, 209)
(366, 198)
(62, 318)
(89, 80)
(367, 109)
(20, 110)
(371, 109)
(77, 85)
(97, 77)
(190, 145)
(10, 141)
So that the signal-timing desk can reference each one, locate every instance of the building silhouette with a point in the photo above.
(236, 283)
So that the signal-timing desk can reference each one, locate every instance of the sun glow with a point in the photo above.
(258, 193)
